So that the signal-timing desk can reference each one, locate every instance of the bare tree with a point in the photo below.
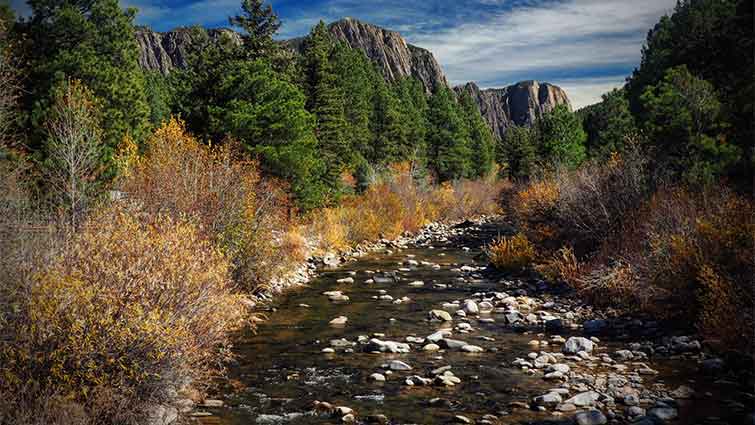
(74, 149)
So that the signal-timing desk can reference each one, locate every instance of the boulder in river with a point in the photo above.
(440, 315)
(591, 417)
(387, 346)
(340, 320)
(576, 344)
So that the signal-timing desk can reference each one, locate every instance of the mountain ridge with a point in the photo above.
(517, 104)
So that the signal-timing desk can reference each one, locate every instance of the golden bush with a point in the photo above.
(511, 253)
(537, 201)
(217, 186)
(135, 304)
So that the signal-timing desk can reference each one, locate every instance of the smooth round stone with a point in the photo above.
(431, 347)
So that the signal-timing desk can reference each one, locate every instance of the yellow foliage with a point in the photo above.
(136, 302)
(535, 202)
(720, 304)
(399, 203)
(126, 156)
(225, 193)
(512, 253)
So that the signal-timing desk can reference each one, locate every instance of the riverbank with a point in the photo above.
(371, 343)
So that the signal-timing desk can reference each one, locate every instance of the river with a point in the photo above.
(286, 366)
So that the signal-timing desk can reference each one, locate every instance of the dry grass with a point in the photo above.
(511, 253)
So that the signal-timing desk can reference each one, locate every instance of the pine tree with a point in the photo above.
(608, 124)
(562, 139)
(326, 101)
(448, 138)
(259, 23)
(413, 109)
(517, 152)
(256, 105)
(356, 80)
(389, 133)
(481, 137)
(93, 42)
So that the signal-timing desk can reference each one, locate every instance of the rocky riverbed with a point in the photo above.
(422, 331)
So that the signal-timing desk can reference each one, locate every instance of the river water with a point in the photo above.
(281, 369)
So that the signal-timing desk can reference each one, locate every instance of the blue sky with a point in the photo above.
(585, 46)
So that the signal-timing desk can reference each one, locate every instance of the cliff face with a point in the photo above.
(164, 52)
(391, 52)
(518, 104)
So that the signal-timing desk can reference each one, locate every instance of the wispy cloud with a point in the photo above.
(567, 39)
(582, 43)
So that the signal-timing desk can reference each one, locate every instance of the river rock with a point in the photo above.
(377, 377)
(437, 336)
(387, 346)
(554, 325)
(663, 413)
(587, 398)
(451, 343)
(576, 344)
(592, 417)
(592, 327)
(398, 365)
(417, 283)
(345, 280)
(683, 392)
(340, 320)
(547, 400)
(634, 411)
(558, 367)
(431, 347)
(440, 315)
(471, 307)
(472, 349)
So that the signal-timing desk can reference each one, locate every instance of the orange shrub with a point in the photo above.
(699, 244)
(236, 208)
(562, 266)
(399, 202)
(511, 253)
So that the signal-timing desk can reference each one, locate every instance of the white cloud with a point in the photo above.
(576, 35)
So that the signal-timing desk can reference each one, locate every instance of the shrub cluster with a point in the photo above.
(511, 253)
(245, 215)
(399, 203)
(661, 249)
(136, 305)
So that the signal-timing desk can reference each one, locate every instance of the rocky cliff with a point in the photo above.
(391, 52)
(165, 51)
(518, 104)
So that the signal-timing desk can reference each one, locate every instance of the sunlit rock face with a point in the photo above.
(518, 104)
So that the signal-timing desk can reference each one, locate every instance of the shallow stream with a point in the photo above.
(282, 370)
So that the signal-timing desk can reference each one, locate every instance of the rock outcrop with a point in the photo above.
(518, 104)
(166, 51)
(389, 50)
